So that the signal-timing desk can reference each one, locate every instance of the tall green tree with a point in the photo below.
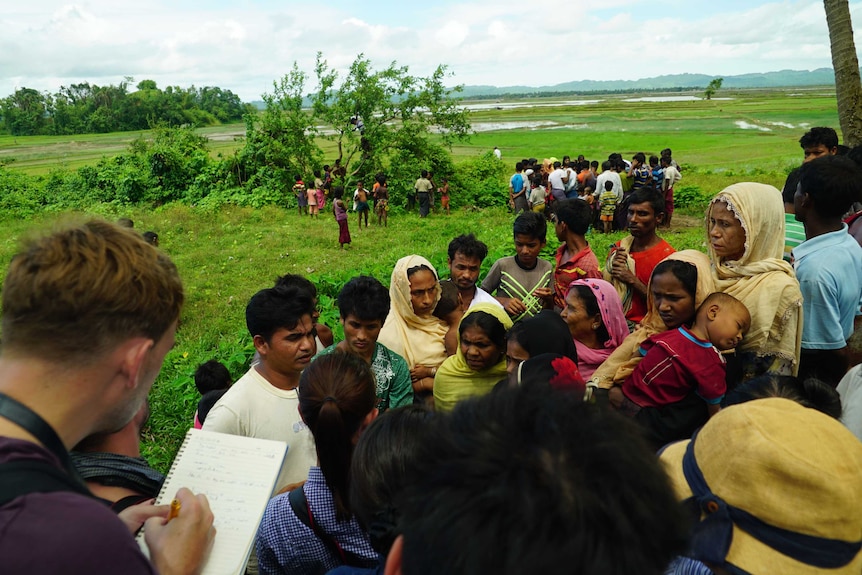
(26, 112)
(370, 113)
(280, 141)
(713, 87)
(848, 87)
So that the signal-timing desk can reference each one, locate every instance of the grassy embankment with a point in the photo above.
(225, 257)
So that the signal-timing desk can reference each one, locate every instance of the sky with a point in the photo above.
(246, 45)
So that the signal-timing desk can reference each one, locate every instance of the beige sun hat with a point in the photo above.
(779, 488)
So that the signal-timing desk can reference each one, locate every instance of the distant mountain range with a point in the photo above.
(670, 82)
(780, 79)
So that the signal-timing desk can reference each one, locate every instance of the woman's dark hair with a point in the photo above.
(383, 465)
(591, 304)
(414, 269)
(489, 324)
(336, 394)
(810, 392)
(685, 272)
(546, 332)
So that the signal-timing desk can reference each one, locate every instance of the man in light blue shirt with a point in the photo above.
(828, 264)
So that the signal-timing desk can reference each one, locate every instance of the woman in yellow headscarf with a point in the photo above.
(480, 361)
(411, 330)
(745, 237)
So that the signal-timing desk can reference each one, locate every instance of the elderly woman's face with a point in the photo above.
(423, 292)
(726, 234)
(479, 351)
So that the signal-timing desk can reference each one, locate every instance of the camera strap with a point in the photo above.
(30, 421)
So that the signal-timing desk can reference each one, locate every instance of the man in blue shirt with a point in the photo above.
(828, 264)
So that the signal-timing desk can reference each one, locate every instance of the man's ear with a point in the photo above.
(260, 344)
(394, 559)
(134, 355)
(659, 218)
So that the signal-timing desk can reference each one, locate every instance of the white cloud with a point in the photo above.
(46, 43)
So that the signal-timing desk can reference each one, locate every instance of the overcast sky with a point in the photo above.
(244, 45)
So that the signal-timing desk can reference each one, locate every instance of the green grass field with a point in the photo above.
(225, 257)
(702, 133)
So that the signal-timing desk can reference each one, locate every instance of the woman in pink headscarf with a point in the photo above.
(596, 321)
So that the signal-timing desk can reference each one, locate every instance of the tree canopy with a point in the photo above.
(87, 108)
(378, 120)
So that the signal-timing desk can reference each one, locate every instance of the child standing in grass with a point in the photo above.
(608, 201)
(444, 195)
(340, 216)
(312, 202)
(301, 198)
(360, 201)
(381, 206)
(319, 191)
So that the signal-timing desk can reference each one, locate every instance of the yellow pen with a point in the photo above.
(175, 509)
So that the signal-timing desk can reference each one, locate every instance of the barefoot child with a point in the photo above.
(320, 191)
(340, 211)
(381, 207)
(360, 198)
(312, 202)
(608, 201)
(683, 368)
(301, 198)
(444, 195)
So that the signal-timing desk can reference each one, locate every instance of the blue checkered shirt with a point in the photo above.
(286, 546)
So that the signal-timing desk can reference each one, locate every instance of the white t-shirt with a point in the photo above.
(253, 407)
(555, 179)
(612, 176)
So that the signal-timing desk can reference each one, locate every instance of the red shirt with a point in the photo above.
(645, 263)
(583, 265)
(675, 364)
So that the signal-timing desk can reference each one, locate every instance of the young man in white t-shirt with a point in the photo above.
(263, 403)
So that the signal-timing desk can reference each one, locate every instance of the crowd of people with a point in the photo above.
(667, 412)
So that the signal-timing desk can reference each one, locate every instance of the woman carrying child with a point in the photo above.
(312, 529)
(679, 283)
(681, 380)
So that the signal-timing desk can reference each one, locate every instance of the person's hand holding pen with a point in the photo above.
(134, 516)
(181, 536)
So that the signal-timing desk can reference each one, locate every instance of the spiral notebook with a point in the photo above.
(238, 475)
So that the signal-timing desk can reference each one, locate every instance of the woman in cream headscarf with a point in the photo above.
(620, 364)
(745, 234)
(411, 330)
(480, 361)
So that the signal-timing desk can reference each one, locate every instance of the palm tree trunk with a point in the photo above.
(848, 87)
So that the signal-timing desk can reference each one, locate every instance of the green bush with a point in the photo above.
(691, 198)
(480, 182)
